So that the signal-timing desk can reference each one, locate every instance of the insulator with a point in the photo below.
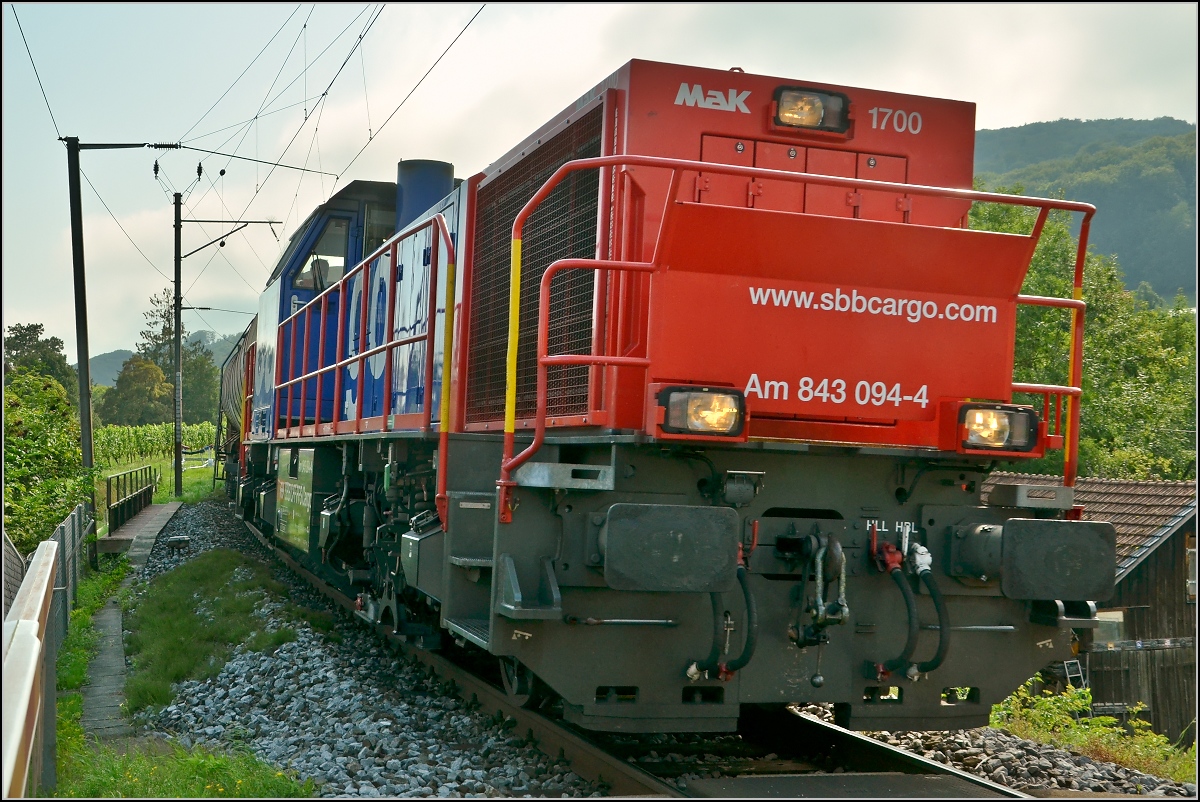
(156, 168)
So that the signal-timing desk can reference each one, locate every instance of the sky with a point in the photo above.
(286, 83)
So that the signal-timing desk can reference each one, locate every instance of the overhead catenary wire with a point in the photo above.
(313, 142)
(244, 237)
(414, 89)
(134, 244)
(304, 75)
(321, 102)
(35, 70)
(253, 122)
(278, 163)
(251, 119)
(118, 222)
(248, 159)
(366, 97)
(246, 126)
(243, 73)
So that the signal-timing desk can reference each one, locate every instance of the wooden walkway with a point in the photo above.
(104, 694)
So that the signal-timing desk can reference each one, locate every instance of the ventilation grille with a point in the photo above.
(562, 227)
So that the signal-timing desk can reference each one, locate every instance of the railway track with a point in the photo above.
(776, 753)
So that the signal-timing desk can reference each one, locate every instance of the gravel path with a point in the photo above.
(352, 716)
(360, 721)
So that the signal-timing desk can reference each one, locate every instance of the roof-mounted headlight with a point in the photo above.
(701, 410)
(808, 108)
(997, 427)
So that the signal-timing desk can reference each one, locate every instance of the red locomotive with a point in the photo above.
(670, 408)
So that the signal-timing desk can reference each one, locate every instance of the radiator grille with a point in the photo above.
(564, 226)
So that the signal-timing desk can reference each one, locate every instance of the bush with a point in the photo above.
(1063, 720)
(43, 466)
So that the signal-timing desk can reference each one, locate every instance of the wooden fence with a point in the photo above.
(1159, 674)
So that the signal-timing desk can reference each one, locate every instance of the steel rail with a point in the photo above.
(867, 767)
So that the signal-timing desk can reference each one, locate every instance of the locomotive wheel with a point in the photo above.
(523, 687)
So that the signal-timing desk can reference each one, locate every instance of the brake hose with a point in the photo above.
(751, 625)
(697, 668)
(943, 615)
(914, 623)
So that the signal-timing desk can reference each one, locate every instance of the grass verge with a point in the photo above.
(137, 768)
(190, 619)
(90, 769)
(1050, 718)
(138, 774)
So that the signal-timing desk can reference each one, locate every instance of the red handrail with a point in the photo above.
(284, 389)
(544, 359)
(678, 166)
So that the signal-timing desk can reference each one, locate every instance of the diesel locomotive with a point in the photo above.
(684, 403)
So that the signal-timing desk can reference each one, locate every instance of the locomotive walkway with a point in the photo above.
(104, 693)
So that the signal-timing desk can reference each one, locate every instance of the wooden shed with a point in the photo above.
(1145, 647)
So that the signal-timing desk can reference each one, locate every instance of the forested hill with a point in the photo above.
(1140, 174)
(1005, 149)
(106, 367)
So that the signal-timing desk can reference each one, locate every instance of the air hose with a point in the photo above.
(943, 615)
(914, 623)
(751, 625)
(710, 663)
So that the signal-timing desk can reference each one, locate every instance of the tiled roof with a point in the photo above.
(1143, 512)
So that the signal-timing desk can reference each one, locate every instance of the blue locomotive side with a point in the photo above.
(298, 345)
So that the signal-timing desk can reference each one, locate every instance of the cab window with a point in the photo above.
(381, 222)
(326, 262)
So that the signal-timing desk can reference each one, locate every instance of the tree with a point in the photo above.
(44, 476)
(157, 342)
(200, 375)
(201, 384)
(98, 393)
(141, 395)
(28, 352)
(1138, 412)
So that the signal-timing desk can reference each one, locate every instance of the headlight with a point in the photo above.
(699, 410)
(807, 108)
(999, 427)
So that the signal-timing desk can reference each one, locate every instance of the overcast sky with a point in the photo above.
(202, 73)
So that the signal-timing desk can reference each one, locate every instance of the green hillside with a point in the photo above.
(104, 368)
(1144, 192)
(1005, 149)
(219, 345)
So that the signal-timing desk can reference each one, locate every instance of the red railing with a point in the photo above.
(1069, 435)
(285, 389)
(510, 463)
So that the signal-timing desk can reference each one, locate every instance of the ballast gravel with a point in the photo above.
(1020, 764)
(353, 717)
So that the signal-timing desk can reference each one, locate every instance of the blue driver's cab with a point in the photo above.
(335, 237)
